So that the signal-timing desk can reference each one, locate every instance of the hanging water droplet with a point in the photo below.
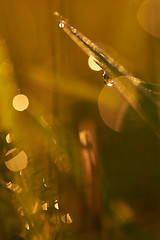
(107, 80)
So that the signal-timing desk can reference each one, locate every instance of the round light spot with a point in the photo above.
(92, 64)
(149, 18)
(18, 162)
(20, 102)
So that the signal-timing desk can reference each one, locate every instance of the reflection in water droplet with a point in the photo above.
(20, 102)
(110, 84)
(92, 64)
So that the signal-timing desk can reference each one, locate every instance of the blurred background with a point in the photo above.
(70, 169)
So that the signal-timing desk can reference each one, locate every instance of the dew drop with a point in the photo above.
(61, 25)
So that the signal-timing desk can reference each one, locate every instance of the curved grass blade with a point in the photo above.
(137, 93)
(103, 60)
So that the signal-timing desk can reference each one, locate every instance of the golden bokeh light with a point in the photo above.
(44, 183)
(20, 102)
(92, 64)
(148, 17)
(20, 211)
(14, 187)
(8, 138)
(66, 218)
(18, 162)
(123, 212)
(27, 226)
(44, 206)
(56, 205)
(82, 136)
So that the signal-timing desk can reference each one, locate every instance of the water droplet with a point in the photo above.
(61, 25)
(106, 77)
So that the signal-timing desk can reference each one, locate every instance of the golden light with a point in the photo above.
(20, 211)
(27, 226)
(18, 162)
(110, 84)
(14, 187)
(92, 64)
(44, 183)
(66, 218)
(83, 139)
(148, 17)
(8, 138)
(43, 122)
(35, 205)
(44, 206)
(122, 211)
(56, 205)
(20, 102)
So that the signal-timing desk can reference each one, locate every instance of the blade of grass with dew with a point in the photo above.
(129, 87)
